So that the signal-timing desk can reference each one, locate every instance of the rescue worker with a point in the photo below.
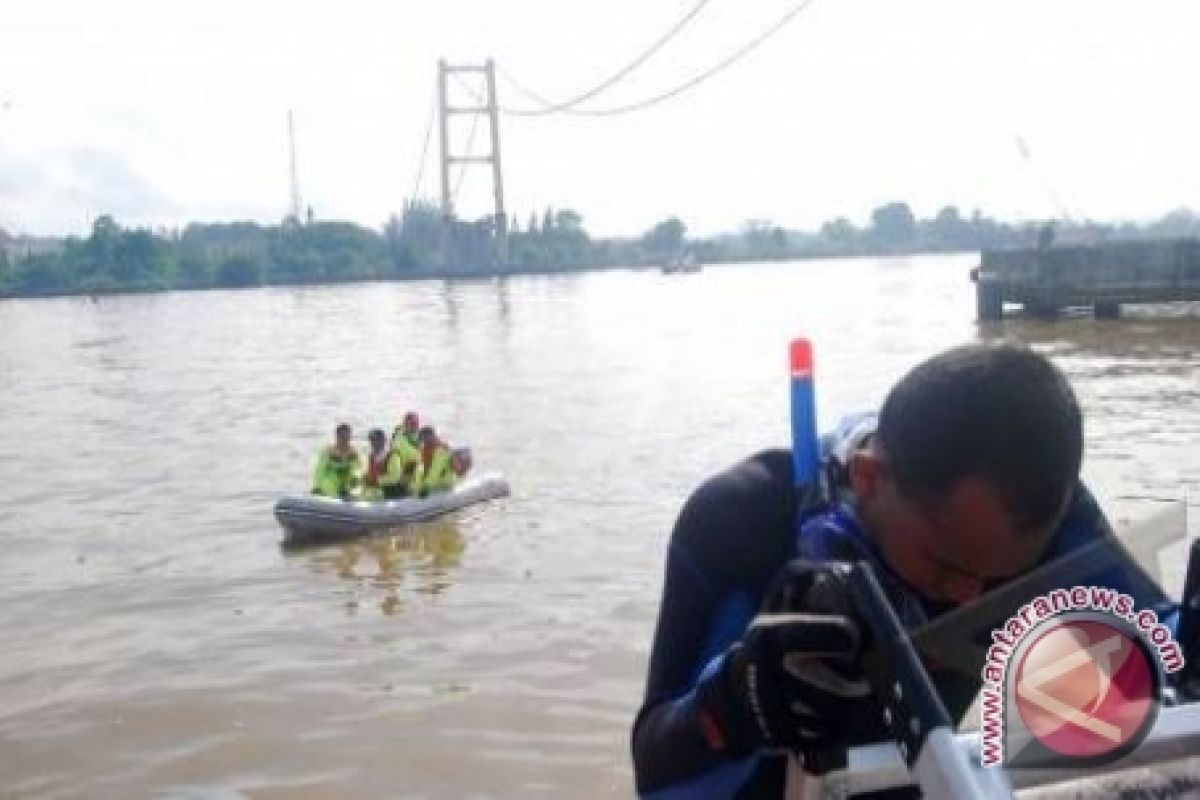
(409, 427)
(437, 473)
(402, 473)
(339, 468)
(376, 464)
(461, 462)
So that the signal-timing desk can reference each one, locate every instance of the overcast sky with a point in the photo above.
(165, 112)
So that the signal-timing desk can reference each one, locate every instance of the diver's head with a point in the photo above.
(971, 469)
(342, 435)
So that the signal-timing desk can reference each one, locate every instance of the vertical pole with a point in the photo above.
(295, 188)
(444, 131)
(444, 135)
(501, 216)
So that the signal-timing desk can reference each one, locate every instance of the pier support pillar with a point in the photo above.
(989, 301)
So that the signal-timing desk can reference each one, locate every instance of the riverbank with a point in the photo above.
(231, 255)
(473, 274)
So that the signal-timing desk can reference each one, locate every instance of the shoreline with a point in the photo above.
(480, 274)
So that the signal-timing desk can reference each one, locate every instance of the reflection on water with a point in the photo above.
(385, 569)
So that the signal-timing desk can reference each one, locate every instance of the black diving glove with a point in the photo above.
(791, 681)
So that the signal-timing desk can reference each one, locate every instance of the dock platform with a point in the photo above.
(1103, 276)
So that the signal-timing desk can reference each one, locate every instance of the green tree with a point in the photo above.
(665, 238)
(1180, 222)
(893, 224)
(763, 239)
(568, 220)
(566, 242)
(839, 233)
(139, 261)
(415, 242)
(195, 271)
(239, 271)
(39, 274)
(948, 230)
(401, 254)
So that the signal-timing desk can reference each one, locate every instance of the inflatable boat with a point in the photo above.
(311, 519)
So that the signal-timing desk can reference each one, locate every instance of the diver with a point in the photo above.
(967, 478)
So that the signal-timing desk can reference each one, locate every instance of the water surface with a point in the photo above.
(156, 641)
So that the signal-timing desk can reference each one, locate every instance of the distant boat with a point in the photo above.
(683, 262)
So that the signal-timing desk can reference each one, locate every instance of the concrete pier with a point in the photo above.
(1101, 276)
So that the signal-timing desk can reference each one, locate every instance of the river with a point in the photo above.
(156, 642)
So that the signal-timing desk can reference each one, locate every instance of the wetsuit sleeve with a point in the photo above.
(729, 540)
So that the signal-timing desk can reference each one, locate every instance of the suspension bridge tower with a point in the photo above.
(482, 104)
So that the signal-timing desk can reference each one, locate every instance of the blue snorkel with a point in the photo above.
(806, 446)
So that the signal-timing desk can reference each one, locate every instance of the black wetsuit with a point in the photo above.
(730, 540)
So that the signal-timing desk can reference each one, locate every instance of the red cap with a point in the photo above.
(801, 358)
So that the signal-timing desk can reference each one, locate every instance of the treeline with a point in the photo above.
(895, 230)
(232, 254)
(420, 243)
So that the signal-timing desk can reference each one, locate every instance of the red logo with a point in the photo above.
(1086, 687)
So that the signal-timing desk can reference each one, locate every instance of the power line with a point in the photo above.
(550, 107)
(425, 147)
(720, 66)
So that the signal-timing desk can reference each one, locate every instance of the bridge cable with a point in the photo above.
(720, 66)
(425, 147)
(551, 107)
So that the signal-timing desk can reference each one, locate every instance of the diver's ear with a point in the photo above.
(868, 471)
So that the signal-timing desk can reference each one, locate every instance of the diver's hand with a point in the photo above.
(810, 587)
(795, 672)
(789, 682)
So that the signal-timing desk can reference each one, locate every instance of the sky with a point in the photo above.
(166, 112)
